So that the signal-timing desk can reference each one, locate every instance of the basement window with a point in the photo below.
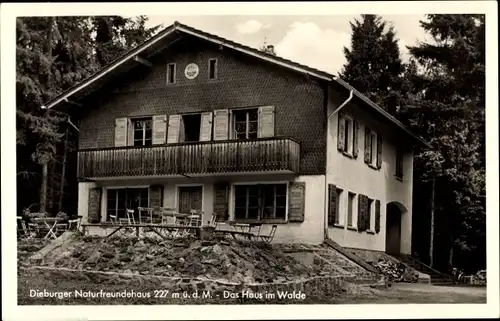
(171, 74)
(212, 69)
(192, 125)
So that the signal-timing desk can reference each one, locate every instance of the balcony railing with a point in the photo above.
(259, 155)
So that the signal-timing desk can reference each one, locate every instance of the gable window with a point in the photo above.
(142, 131)
(260, 202)
(399, 163)
(212, 69)
(245, 123)
(191, 129)
(121, 199)
(171, 74)
(350, 208)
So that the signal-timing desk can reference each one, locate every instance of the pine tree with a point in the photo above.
(373, 63)
(448, 111)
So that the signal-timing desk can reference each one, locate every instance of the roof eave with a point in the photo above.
(381, 111)
(176, 26)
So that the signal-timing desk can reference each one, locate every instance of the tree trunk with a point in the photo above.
(49, 38)
(43, 189)
(450, 258)
(63, 173)
(431, 244)
(50, 186)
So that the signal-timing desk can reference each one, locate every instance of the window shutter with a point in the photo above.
(174, 122)
(296, 201)
(221, 124)
(95, 205)
(221, 201)
(377, 216)
(155, 196)
(159, 129)
(332, 204)
(379, 151)
(355, 138)
(121, 132)
(206, 127)
(130, 133)
(367, 145)
(266, 122)
(362, 212)
(341, 133)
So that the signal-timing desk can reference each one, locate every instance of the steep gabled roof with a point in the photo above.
(171, 34)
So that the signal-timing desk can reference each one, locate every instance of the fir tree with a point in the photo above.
(448, 110)
(54, 54)
(373, 63)
(115, 35)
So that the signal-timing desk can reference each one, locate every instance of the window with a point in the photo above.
(143, 130)
(399, 163)
(191, 127)
(245, 123)
(121, 199)
(339, 197)
(171, 74)
(373, 148)
(370, 214)
(257, 202)
(373, 145)
(347, 135)
(212, 69)
(350, 209)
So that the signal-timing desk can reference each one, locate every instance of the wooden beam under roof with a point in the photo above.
(143, 61)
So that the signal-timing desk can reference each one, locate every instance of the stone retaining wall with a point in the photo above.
(316, 286)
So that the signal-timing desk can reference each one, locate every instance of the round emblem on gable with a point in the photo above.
(191, 71)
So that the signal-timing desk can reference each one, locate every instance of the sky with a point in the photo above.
(316, 41)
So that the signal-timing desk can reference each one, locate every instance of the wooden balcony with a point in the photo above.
(277, 154)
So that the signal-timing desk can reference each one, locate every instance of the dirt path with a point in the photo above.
(420, 293)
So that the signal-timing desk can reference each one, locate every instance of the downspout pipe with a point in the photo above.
(351, 94)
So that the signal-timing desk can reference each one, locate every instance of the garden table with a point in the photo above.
(47, 221)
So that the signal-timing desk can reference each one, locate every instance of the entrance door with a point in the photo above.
(190, 198)
(393, 230)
